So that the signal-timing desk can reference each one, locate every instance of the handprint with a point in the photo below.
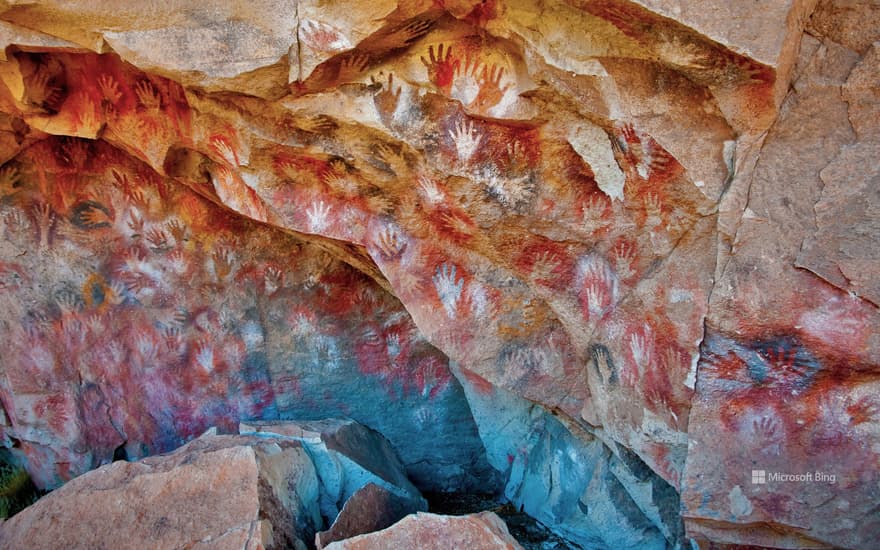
(402, 36)
(596, 296)
(147, 348)
(177, 230)
(41, 92)
(517, 158)
(95, 322)
(68, 302)
(173, 340)
(147, 94)
(766, 433)
(441, 70)
(135, 281)
(223, 263)
(409, 284)
(623, 260)
(544, 267)
(785, 364)
(205, 355)
(109, 89)
(448, 288)
(381, 204)
(458, 225)
(431, 190)
(466, 138)
(394, 159)
(45, 219)
(352, 66)
(655, 396)
(9, 178)
(135, 222)
(177, 261)
(653, 210)
(75, 152)
(386, 100)
(593, 214)
(341, 181)
(642, 348)
(158, 239)
(88, 116)
(16, 221)
(491, 92)
(764, 427)
(392, 344)
(512, 192)
(425, 417)
(318, 215)
(477, 300)
(221, 146)
(272, 280)
(120, 180)
(866, 409)
(116, 293)
(467, 70)
(604, 364)
(323, 37)
(92, 215)
(320, 124)
(672, 360)
(390, 245)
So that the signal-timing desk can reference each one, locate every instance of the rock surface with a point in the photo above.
(275, 486)
(481, 531)
(215, 492)
(347, 457)
(171, 315)
(642, 233)
(370, 508)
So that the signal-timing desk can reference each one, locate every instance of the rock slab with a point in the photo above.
(483, 531)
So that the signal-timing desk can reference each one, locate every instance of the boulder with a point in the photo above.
(481, 531)
(370, 508)
(215, 492)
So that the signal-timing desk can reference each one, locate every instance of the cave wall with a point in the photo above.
(138, 315)
(649, 227)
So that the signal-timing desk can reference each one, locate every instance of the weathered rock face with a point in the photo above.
(656, 220)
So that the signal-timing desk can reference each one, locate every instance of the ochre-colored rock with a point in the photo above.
(483, 531)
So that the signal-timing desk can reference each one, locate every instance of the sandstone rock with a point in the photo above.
(861, 94)
(370, 508)
(478, 531)
(786, 376)
(851, 23)
(216, 45)
(841, 250)
(216, 492)
(634, 215)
